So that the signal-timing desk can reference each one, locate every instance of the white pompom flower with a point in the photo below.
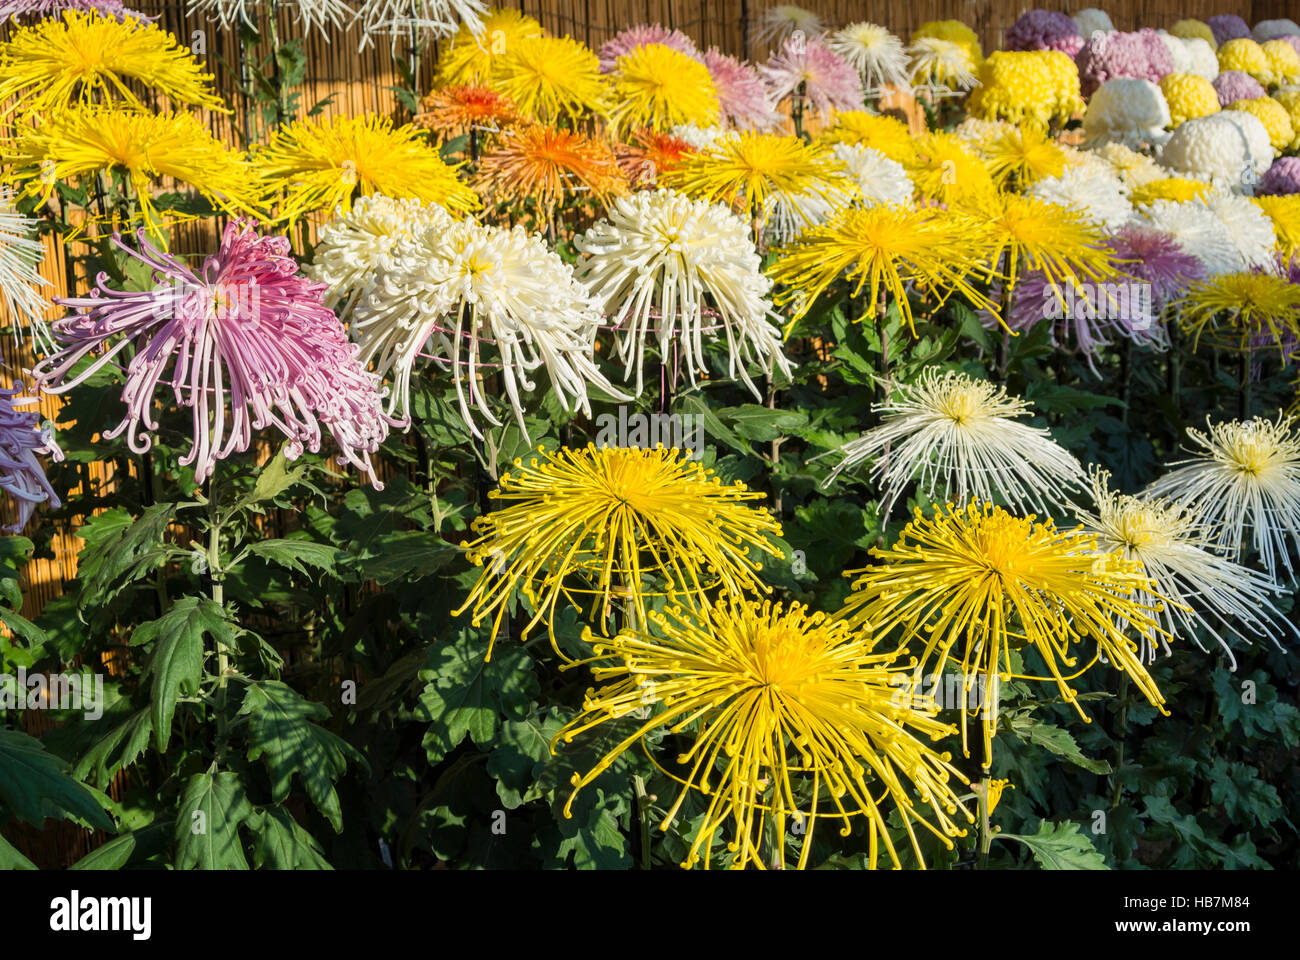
(1231, 147)
(1127, 110)
(1099, 195)
(1197, 230)
(1202, 60)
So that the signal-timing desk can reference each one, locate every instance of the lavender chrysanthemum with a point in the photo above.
(810, 68)
(1234, 85)
(244, 344)
(1283, 177)
(1044, 30)
(1155, 258)
(1141, 54)
(643, 34)
(22, 438)
(1227, 26)
(741, 93)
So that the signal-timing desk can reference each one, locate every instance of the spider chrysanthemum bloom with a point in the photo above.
(882, 249)
(940, 67)
(647, 153)
(681, 271)
(810, 73)
(1236, 310)
(874, 52)
(1176, 551)
(20, 255)
(83, 141)
(658, 87)
(953, 31)
(414, 19)
(1284, 213)
(1155, 258)
(549, 166)
(742, 95)
(961, 438)
(785, 19)
(788, 718)
(464, 290)
(615, 524)
(946, 169)
(22, 440)
(643, 34)
(887, 134)
(879, 179)
(322, 15)
(551, 78)
(83, 58)
(450, 110)
(1021, 156)
(321, 164)
(1245, 475)
(977, 582)
(468, 58)
(243, 344)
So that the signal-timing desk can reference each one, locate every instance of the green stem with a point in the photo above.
(1117, 789)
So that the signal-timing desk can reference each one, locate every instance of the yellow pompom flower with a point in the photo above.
(887, 134)
(1289, 98)
(657, 87)
(322, 164)
(602, 521)
(982, 582)
(1194, 30)
(1283, 61)
(1020, 156)
(1284, 211)
(465, 59)
(1272, 115)
(953, 31)
(1234, 310)
(1189, 96)
(551, 77)
(1177, 189)
(1032, 234)
(83, 141)
(1032, 88)
(1247, 56)
(787, 718)
(946, 169)
(84, 57)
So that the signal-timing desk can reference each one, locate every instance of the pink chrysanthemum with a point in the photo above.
(1234, 85)
(22, 438)
(809, 67)
(1155, 258)
(1044, 30)
(1104, 56)
(1280, 179)
(246, 343)
(741, 93)
(643, 34)
(1227, 26)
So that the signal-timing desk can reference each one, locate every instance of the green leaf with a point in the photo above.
(403, 555)
(755, 422)
(35, 784)
(276, 477)
(695, 406)
(280, 843)
(1060, 846)
(120, 550)
(176, 664)
(207, 823)
(21, 627)
(121, 851)
(296, 555)
(522, 748)
(11, 859)
(282, 731)
(117, 749)
(1058, 741)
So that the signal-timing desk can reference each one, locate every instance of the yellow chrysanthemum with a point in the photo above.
(1020, 156)
(468, 60)
(84, 57)
(1284, 211)
(321, 164)
(657, 87)
(946, 169)
(1189, 96)
(989, 582)
(1283, 61)
(1177, 189)
(941, 67)
(883, 248)
(1032, 88)
(551, 77)
(82, 141)
(791, 719)
(1272, 115)
(1247, 56)
(1194, 30)
(1236, 310)
(1289, 98)
(888, 135)
(954, 31)
(603, 521)
(1031, 234)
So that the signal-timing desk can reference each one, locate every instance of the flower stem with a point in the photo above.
(1117, 788)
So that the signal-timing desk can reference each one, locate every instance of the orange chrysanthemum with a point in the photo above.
(458, 109)
(648, 154)
(548, 165)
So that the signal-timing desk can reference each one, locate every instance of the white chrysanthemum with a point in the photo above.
(1132, 168)
(1224, 146)
(1249, 226)
(786, 216)
(785, 19)
(467, 287)
(1203, 61)
(20, 254)
(879, 179)
(977, 131)
(961, 438)
(1198, 586)
(682, 271)
(414, 18)
(874, 52)
(1198, 231)
(1128, 110)
(701, 138)
(1086, 160)
(353, 245)
(1099, 196)
(1245, 477)
(317, 14)
(1091, 20)
(1267, 30)
(1179, 55)
(940, 67)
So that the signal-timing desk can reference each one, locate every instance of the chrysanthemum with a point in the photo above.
(1089, 20)
(1177, 189)
(811, 73)
(657, 87)
(468, 58)
(1246, 55)
(399, 19)
(1245, 476)
(889, 135)
(1195, 229)
(961, 438)
(468, 289)
(1155, 258)
(1234, 85)
(548, 166)
(874, 52)
(617, 524)
(322, 164)
(1044, 30)
(1097, 195)
(1188, 97)
(879, 179)
(1132, 168)
(666, 266)
(1250, 230)
(1021, 156)
(32, 9)
(742, 95)
(1026, 233)
(1036, 89)
(791, 719)
(642, 35)
(940, 67)
(945, 169)
(1284, 213)
(647, 154)
(1281, 179)
(883, 249)
(1226, 27)
(322, 15)
(953, 31)
(243, 344)
(1129, 110)
(1267, 30)
(785, 19)
(1105, 56)
(1235, 310)
(22, 439)
(1194, 29)
(20, 254)
(981, 579)
(84, 58)
(451, 110)
(1283, 61)
(550, 78)
(80, 142)
(1174, 549)
(1272, 115)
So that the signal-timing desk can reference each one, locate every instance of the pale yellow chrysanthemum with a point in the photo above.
(1177, 189)
(551, 77)
(1283, 61)
(654, 86)
(1284, 211)
(947, 170)
(1194, 30)
(1132, 168)
(791, 718)
(941, 67)
(1189, 96)
(467, 59)
(1272, 115)
(888, 135)
(1289, 98)
(953, 31)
